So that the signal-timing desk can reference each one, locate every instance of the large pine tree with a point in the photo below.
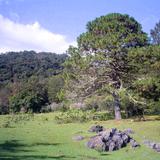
(103, 49)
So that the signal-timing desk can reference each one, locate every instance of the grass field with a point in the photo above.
(41, 138)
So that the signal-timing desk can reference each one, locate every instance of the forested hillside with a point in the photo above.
(27, 79)
(15, 66)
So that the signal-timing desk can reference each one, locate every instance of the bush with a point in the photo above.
(54, 88)
(99, 103)
(54, 107)
(77, 115)
(31, 97)
(73, 115)
(103, 116)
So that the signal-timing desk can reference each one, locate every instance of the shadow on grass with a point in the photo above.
(14, 150)
(34, 157)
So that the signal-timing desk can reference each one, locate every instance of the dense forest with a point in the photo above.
(15, 66)
(115, 68)
(25, 76)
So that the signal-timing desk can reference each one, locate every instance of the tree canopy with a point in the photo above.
(155, 34)
(105, 45)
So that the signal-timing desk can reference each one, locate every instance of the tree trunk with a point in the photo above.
(117, 109)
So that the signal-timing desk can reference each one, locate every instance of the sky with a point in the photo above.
(53, 25)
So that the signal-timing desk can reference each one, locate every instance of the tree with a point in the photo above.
(54, 85)
(104, 47)
(31, 97)
(155, 34)
(146, 84)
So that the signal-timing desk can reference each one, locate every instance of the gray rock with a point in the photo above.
(152, 145)
(78, 138)
(96, 129)
(112, 146)
(110, 140)
(96, 143)
(128, 131)
(157, 147)
(134, 144)
(125, 138)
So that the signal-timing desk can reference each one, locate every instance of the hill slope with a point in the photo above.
(22, 65)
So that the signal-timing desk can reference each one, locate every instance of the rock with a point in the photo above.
(96, 143)
(112, 146)
(96, 129)
(128, 131)
(133, 143)
(78, 138)
(157, 147)
(111, 140)
(152, 145)
(126, 138)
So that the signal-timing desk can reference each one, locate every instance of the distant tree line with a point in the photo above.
(16, 66)
(25, 80)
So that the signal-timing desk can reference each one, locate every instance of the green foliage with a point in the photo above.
(103, 50)
(5, 92)
(103, 116)
(100, 103)
(73, 115)
(19, 88)
(146, 84)
(155, 34)
(54, 88)
(78, 115)
(31, 98)
(15, 66)
(111, 33)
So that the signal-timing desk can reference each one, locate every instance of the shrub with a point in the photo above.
(103, 116)
(77, 115)
(100, 103)
(73, 115)
(5, 124)
(54, 107)
(54, 88)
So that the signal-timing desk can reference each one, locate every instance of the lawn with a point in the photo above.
(41, 138)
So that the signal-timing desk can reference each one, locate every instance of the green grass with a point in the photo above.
(41, 138)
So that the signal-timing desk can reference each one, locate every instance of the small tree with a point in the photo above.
(31, 97)
(155, 34)
(54, 85)
(146, 84)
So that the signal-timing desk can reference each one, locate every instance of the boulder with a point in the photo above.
(111, 140)
(152, 145)
(96, 129)
(157, 147)
(128, 131)
(96, 143)
(78, 138)
(133, 143)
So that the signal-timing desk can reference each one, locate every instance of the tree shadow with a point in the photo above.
(34, 157)
(14, 150)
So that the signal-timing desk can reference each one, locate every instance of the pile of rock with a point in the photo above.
(96, 129)
(152, 145)
(110, 140)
